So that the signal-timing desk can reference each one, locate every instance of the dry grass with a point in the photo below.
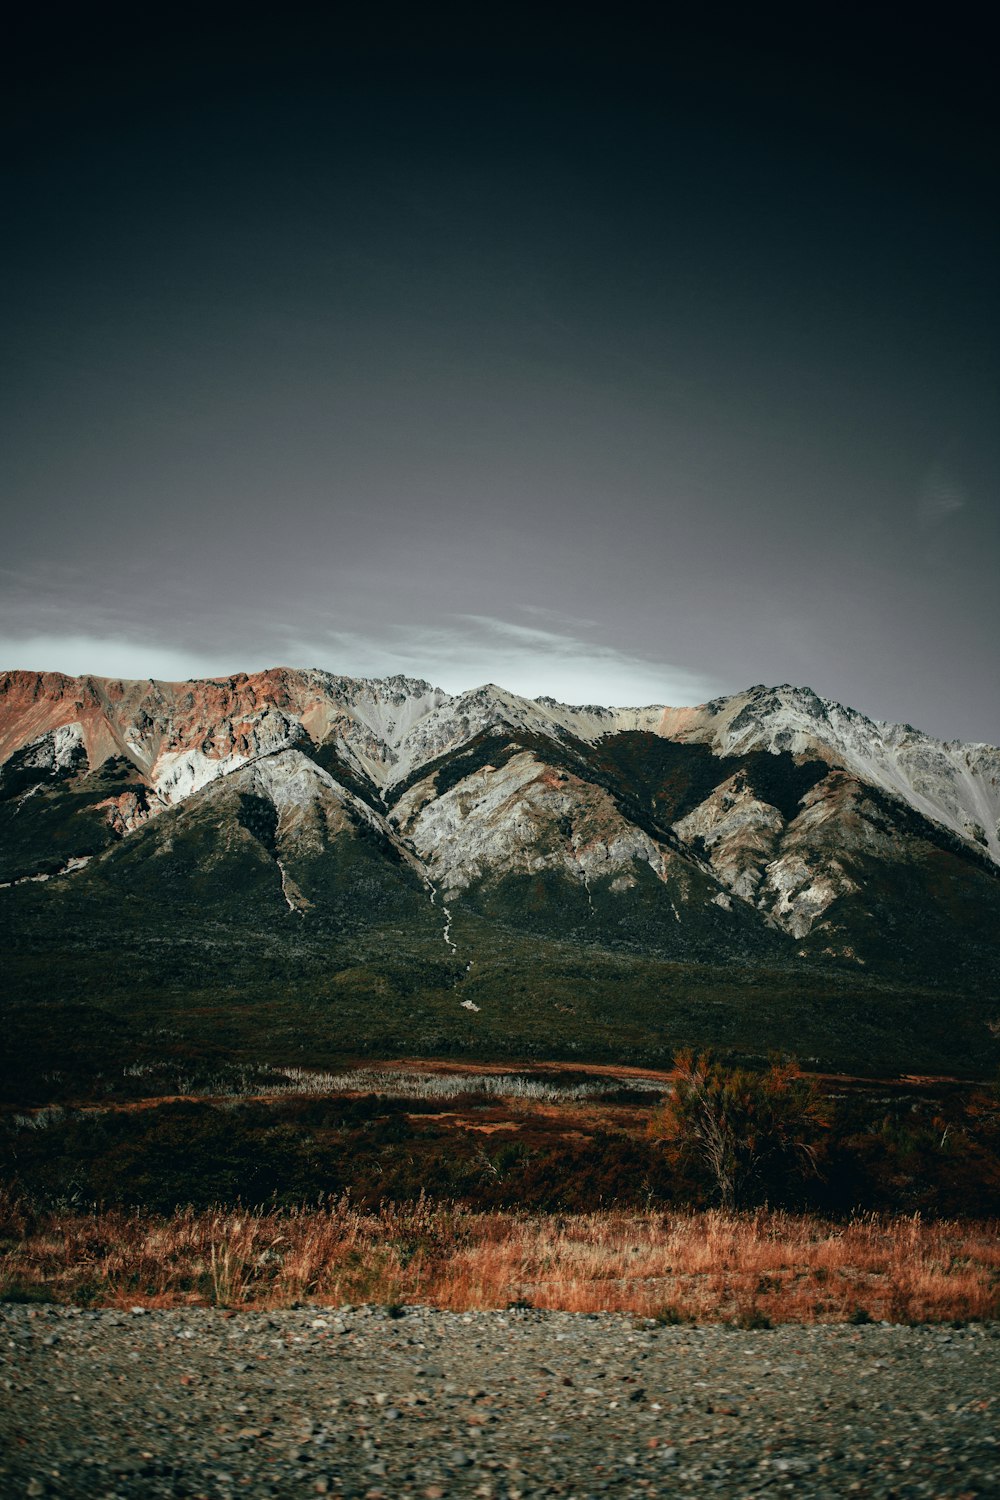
(409, 1083)
(749, 1268)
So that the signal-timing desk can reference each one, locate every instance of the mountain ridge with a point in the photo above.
(390, 727)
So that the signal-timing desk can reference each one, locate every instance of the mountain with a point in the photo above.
(324, 862)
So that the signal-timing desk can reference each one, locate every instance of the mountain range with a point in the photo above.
(317, 864)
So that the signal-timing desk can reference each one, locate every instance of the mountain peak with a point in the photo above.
(181, 735)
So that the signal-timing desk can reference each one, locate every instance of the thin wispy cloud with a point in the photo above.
(462, 652)
(558, 617)
(472, 649)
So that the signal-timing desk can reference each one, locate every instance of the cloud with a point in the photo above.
(469, 650)
(110, 656)
(463, 651)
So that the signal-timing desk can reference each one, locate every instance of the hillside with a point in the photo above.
(297, 865)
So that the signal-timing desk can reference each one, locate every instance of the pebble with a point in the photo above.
(439, 1406)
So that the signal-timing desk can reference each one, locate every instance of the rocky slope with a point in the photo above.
(528, 812)
(773, 827)
(182, 735)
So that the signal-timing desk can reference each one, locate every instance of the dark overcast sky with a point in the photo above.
(624, 364)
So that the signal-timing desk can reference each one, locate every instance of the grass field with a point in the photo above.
(752, 1270)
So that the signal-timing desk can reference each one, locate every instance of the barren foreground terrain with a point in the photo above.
(390, 1402)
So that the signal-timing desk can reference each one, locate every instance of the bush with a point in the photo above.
(750, 1131)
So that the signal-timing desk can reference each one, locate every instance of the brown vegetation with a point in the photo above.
(746, 1128)
(569, 1143)
(753, 1269)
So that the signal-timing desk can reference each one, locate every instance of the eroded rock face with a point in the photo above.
(522, 817)
(128, 811)
(59, 750)
(738, 834)
(56, 753)
(796, 893)
(182, 768)
(954, 784)
(794, 870)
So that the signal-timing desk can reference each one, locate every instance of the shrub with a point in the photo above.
(749, 1131)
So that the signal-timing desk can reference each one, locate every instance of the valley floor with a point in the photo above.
(434, 1404)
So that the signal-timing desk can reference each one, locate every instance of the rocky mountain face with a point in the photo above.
(769, 830)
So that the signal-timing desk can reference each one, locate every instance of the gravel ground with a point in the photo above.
(431, 1404)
